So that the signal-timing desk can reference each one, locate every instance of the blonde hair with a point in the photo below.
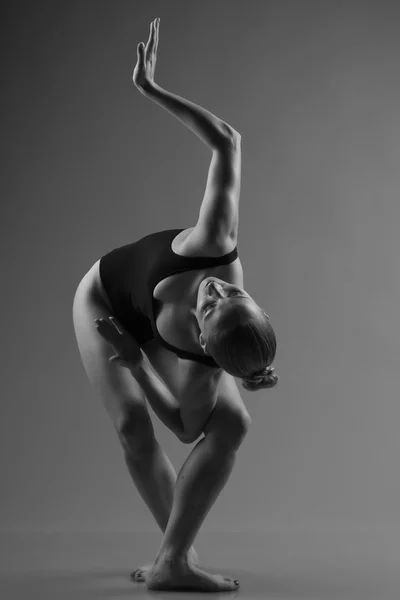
(246, 350)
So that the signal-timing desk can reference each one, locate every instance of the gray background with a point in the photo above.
(90, 164)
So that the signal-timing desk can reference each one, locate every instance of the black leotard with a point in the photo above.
(130, 273)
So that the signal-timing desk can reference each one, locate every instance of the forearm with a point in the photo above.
(160, 399)
(210, 129)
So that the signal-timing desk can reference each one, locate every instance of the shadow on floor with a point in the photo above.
(114, 584)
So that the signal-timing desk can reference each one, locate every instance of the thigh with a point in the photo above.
(120, 393)
(230, 417)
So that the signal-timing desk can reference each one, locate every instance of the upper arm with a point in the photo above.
(218, 219)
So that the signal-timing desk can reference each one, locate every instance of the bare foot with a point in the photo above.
(182, 575)
(141, 573)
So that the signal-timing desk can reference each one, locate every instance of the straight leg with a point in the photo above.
(154, 477)
(125, 402)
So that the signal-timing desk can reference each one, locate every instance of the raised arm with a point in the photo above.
(209, 128)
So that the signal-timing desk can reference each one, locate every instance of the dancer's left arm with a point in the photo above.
(198, 395)
(129, 355)
(187, 415)
(161, 401)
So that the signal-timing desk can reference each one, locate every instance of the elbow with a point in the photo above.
(236, 136)
(233, 136)
(229, 132)
(229, 139)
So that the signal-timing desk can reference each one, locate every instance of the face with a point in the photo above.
(221, 303)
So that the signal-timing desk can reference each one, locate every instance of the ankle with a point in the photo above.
(172, 557)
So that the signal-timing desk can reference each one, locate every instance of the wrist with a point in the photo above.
(138, 371)
(148, 88)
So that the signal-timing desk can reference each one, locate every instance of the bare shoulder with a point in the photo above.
(191, 242)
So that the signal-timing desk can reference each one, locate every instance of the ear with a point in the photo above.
(203, 344)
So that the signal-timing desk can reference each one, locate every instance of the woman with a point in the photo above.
(173, 308)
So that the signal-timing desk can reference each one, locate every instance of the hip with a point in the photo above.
(92, 282)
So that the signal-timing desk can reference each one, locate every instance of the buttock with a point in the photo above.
(137, 325)
(94, 278)
(163, 362)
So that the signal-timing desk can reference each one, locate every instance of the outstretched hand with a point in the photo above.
(128, 352)
(143, 74)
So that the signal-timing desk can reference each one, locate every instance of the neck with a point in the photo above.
(194, 328)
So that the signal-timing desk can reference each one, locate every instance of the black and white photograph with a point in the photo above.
(200, 217)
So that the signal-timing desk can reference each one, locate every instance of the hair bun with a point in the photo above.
(265, 377)
(262, 373)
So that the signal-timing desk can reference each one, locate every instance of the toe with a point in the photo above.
(233, 582)
(136, 575)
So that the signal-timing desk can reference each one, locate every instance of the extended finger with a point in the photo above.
(157, 35)
(150, 42)
(117, 325)
(153, 37)
(140, 52)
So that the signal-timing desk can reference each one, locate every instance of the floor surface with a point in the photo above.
(80, 566)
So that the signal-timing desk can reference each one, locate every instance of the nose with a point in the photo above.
(215, 288)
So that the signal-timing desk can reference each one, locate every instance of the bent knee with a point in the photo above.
(239, 428)
(229, 429)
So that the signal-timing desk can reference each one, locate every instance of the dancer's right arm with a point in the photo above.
(210, 129)
(213, 131)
